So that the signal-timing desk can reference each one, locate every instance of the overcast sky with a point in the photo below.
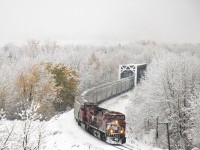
(100, 20)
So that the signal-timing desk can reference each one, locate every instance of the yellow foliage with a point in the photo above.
(27, 80)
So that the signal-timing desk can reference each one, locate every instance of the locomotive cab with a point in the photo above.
(107, 125)
(115, 127)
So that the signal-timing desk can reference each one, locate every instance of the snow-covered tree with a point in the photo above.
(50, 47)
(32, 48)
(167, 91)
(17, 64)
(39, 86)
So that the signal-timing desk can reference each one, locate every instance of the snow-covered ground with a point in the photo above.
(65, 134)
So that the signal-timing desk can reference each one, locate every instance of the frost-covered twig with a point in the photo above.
(33, 131)
(8, 136)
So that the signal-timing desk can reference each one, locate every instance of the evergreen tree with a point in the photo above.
(67, 79)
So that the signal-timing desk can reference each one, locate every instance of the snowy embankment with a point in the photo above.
(67, 135)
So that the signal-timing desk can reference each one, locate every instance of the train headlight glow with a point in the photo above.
(116, 121)
(121, 131)
(111, 131)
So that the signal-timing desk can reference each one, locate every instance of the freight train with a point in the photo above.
(107, 125)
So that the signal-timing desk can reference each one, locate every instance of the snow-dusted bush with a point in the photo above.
(24, 134)
(32, 132)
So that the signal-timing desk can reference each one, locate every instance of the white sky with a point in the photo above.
(100, 20)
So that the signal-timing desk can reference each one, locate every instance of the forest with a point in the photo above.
(44, 77)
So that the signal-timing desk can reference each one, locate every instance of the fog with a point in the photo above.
(101, 21)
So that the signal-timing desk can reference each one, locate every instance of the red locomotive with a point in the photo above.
(107, 125)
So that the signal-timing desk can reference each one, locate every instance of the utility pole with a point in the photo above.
(168, 138)
(168, 135)
(156, 128)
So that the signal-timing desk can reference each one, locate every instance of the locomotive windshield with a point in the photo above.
(120, 117)
(115, 117)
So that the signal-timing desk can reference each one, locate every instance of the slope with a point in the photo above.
(67, 135)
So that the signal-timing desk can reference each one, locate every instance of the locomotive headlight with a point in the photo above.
(116, 121)
(121, 131)
(111, 131)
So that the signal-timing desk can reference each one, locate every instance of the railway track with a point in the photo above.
(123, 147)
